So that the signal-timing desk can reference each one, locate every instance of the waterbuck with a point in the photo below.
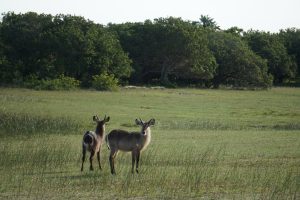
(129, 141)
(92, 141)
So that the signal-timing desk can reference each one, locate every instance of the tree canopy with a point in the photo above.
(47, 46)
(167, 47)
(165, 51)
(281, 65)
(237, 64)
(291, 40)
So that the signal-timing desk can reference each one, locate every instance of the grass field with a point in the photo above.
(206, 144)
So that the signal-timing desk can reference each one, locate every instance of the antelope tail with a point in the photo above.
(88, 139)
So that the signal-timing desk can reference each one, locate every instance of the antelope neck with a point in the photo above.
(147, 138)
(100, 130)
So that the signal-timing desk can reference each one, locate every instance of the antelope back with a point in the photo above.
(126, 141)
(122, 140)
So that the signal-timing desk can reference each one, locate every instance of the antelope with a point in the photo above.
(92, 141)
(129, 141)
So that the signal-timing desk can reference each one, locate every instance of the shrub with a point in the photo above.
(60, 83)
(31, 81)
(105, 81)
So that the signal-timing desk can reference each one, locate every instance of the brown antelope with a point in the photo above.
(125, 141)
(92, 141)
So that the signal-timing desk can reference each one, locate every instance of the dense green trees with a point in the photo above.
(269, 46)
(36, 48)
(46, 47)
(291, 39)
(237, 64)
(166, 48)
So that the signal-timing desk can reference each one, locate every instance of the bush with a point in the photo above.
(32, 82)
(105, 81)
(60, 83)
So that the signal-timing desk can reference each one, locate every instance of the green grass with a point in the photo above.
(208, 144)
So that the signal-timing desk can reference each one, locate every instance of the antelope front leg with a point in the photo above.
(98, 157)
(91, 160)
(83, 157)
(137, 161)
(133, 154)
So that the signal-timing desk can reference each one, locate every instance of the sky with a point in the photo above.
(263, 15)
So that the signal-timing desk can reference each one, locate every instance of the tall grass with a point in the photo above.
(220, 125)
(23, 124)
(206, 145)
(42, 168)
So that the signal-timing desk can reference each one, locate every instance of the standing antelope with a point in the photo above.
(125, 141)
(92, 141)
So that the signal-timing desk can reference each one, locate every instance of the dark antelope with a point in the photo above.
(92, 141)
(125, 141)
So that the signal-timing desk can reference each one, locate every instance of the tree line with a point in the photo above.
(164, 51)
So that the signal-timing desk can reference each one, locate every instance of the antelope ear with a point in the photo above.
(138, 122)
(151, 122)
(107, 119)
(95, 118)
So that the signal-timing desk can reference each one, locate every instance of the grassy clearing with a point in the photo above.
(178, 109)
(210, 144)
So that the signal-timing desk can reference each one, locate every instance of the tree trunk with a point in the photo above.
(216, 82)
(164, 75)
(164, 78)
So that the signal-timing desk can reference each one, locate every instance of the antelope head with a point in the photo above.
(96, 119)
(100, 123)
(145, 125)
